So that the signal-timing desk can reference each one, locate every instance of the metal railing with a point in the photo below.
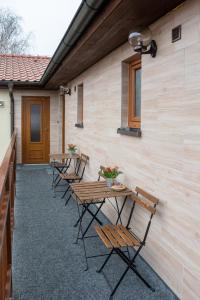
(7, 196)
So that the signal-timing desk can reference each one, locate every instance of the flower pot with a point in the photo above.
(109, 182)
(72, 152)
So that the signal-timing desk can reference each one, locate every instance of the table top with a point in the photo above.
(59, 156)
(94, 190)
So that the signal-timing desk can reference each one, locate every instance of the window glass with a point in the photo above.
(80, 104)
(35, 122)
(138, 93)
(134, 105)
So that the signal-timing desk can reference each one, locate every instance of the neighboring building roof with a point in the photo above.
(25, 68)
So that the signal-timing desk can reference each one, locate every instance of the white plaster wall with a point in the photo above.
(55, 119)
(166, 160)
(4, 122)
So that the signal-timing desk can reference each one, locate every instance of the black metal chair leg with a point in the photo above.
(120, 280)
(55, 177)
(143, 280)
(106, 260)
(63, 196)
(60, 171)
(56, 183)
(67, 201)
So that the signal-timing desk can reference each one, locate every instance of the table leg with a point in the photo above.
(83, 212)
(94, 218)
(82, 237)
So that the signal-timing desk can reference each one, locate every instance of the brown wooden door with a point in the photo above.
(35, 130)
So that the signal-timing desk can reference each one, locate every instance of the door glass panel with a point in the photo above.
(138, 93)
(35, 122)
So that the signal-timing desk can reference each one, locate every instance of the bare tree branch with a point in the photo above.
(13, 40)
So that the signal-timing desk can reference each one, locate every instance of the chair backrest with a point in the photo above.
(81, 164)
(147, 202)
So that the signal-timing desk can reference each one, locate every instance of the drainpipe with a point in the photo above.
(10, 89)
(84, 15)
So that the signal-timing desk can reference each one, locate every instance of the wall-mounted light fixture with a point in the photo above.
(65, 90)
(2, 104)
(143, 43)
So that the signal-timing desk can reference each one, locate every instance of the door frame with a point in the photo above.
(23, 99)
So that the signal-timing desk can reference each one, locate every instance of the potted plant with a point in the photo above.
(72, 149)
(110, 174)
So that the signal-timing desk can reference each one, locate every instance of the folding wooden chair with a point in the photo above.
(115, 237)
(77, 175)
(88, 195)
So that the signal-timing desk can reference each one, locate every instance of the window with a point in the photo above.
(134, 98)
(35, 122)
(79, 106)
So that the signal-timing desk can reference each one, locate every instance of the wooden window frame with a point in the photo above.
(133, 121)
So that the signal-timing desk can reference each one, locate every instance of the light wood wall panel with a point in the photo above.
(166, 160)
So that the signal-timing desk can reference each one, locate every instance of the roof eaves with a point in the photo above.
(84, 15)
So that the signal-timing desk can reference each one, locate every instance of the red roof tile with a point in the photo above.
(22, 67)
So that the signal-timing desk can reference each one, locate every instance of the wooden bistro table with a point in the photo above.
(61, 162)
(95, 192)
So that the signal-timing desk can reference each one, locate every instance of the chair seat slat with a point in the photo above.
(129, 236)
(116, 235)
(110, 237)
(103, 237)
(128, 241)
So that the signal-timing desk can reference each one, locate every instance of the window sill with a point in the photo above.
(130, 131)
(79, 125)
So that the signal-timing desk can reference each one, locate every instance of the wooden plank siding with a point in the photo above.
(7, 196)
(165, 161)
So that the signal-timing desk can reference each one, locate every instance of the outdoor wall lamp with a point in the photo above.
(65, 90)
(1, 104)
(143, 43)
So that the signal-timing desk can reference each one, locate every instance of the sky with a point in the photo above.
(47, 20)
